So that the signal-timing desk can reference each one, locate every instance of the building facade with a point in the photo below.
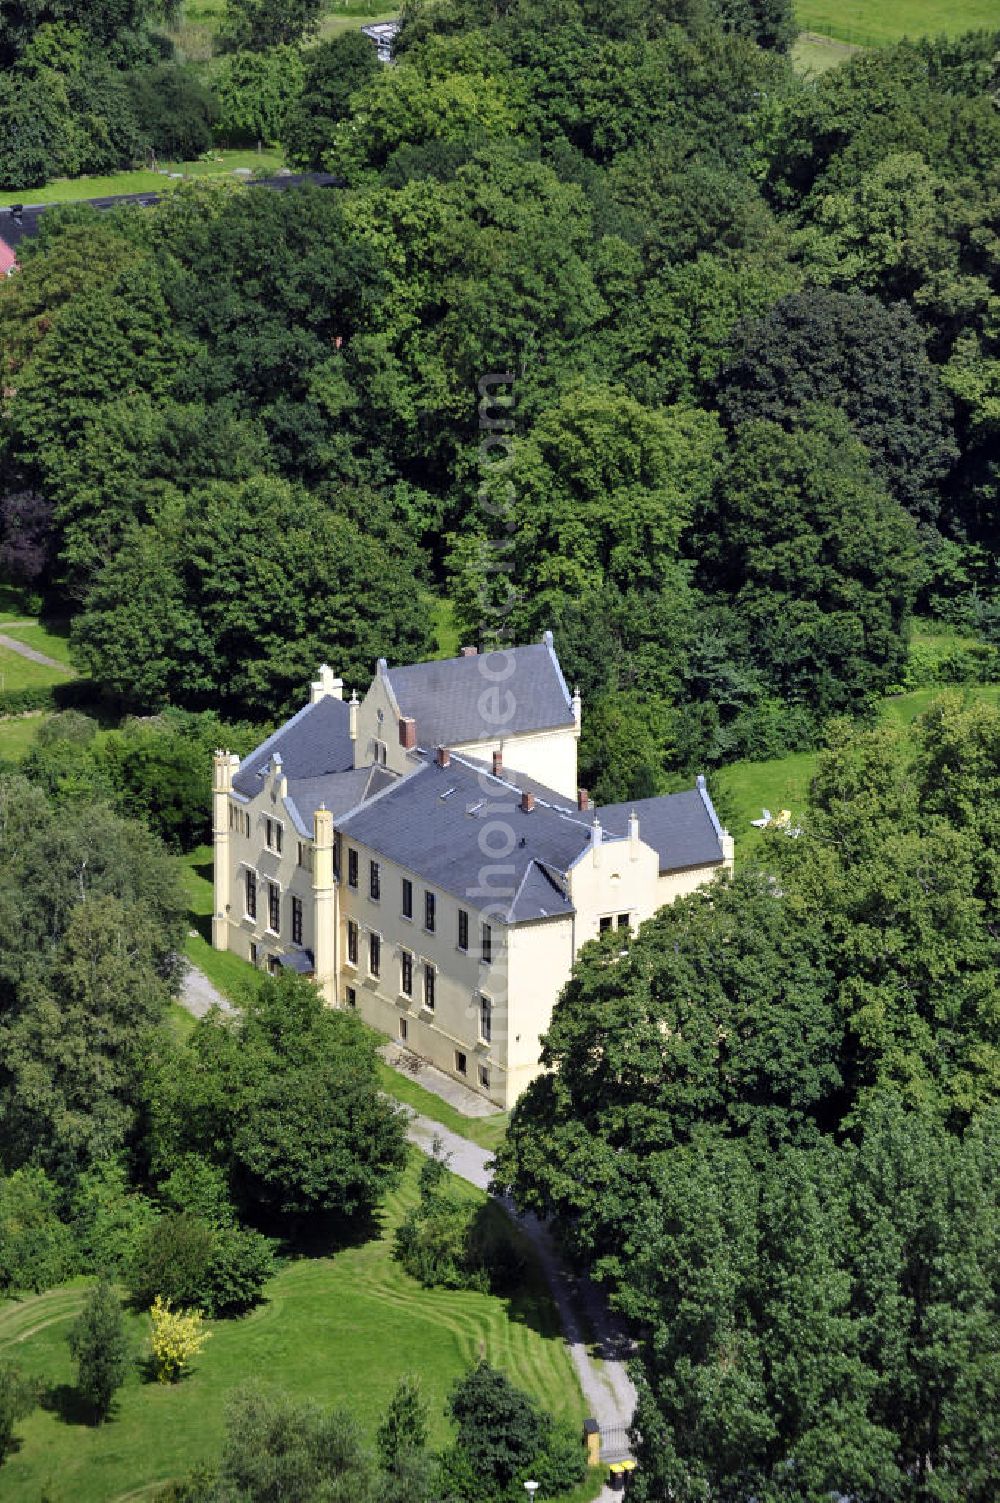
(426, 855)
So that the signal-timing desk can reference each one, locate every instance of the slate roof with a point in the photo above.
(431, 820)
(681, 827)
(337, 791)
(444, 697)
(316, 741)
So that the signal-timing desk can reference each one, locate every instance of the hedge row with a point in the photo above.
(47, 697)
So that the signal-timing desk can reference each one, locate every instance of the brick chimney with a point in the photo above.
(443, 757)
(498, 764)
(469, 652)
(582, 799)
(407, 732)
(527, 802)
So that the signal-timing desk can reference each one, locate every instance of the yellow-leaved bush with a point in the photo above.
(178, 1337)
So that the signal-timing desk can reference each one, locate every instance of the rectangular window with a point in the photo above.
(429, 907)
(407, 898)
(253, 954)
(246, 830)
(274, 965)
(624, 920)
(232, 816)
(305, 855)
(485, 1020)
(430, 979)
(336, 857)
(487, 943)
(463, 929)
(374, 881)
(461, 1063)
(274, 907)
(352, 942)
(251, 895)
(374, 955)
(352, 997)
(484, 1077)
(607, 922)
(296, 921)
(352, 867)
(272, 834)
(406, 973)
(404, 1029)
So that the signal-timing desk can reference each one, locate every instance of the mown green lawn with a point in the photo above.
(339, 1330)
(17, 735)
(813, 54)
(69, 190)
(872, 23)
(49, 639)
(17, 672)
(350, 17)
(745, 788)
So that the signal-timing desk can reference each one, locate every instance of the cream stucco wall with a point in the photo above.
(375, 733)
(460, 976)
(250, 852)
(547, 756)
(540, 960)
(612, 878)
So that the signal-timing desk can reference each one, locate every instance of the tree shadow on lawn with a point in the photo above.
(202, 924)
(322, 1236)
(66, 1401)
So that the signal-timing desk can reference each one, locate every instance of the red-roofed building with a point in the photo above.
(8, 260)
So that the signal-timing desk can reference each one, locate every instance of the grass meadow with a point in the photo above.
(873, 23)
(340, 1330)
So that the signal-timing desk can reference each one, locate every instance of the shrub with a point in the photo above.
(448, 1242)
(100, 1345)
(219, 1270)
(17, 1398)
(178, 1337)
(240, 1265)
(36, 1249)
(504, 1437)
(108, 1220)
(255, 91)
(171, 1260)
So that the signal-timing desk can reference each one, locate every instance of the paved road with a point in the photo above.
(607, 1387)
(29, 652)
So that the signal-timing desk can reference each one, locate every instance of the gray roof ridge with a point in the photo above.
(549, 641)
(702, 788)
(508, 916)
(297, 819)
(382, 671)
(543, 870)
(483, 771)
(366, 803)
(285, 725)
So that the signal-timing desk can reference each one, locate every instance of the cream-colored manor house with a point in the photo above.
(426, 855)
